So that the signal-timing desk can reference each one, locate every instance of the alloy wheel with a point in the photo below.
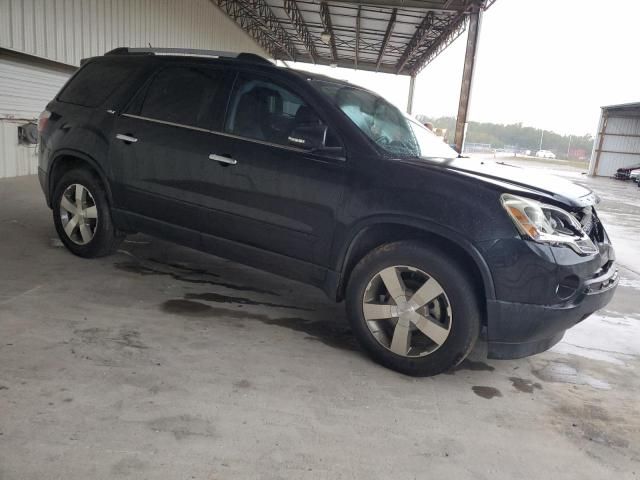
(79, 214)
(407, 311)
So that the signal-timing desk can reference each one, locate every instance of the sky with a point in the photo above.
(546, 63)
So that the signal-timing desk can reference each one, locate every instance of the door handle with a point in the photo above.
(220, 158)
(126, 138)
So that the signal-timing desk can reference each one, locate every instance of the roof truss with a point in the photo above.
(393, 36)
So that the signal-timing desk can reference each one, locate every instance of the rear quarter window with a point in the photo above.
(94, 83)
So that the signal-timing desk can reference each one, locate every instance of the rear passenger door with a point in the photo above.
(278, 196)
(162, 142)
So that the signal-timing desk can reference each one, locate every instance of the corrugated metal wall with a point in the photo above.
(619, 146)
(18, 159)
(69, 30)
(66, 31)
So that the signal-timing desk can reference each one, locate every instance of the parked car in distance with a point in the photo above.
(327, 183)
(545, 154)
(628, 172)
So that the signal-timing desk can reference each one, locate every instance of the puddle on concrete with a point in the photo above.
(524, 385)
(472, 366)
(558, 372)
(138, 268)
(185, 267)
(216, 297)
(330, 334)
(187, 307)
(486, 392)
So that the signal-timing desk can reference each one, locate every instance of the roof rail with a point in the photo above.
(250, 57)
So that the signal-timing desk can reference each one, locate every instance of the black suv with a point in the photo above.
(327, 183)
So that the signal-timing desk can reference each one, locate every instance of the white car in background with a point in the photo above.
(545, 154)
(635, 175)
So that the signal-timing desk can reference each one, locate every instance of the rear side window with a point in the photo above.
(183, 95)
(94, 83)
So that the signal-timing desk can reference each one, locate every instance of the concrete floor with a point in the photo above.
(161, 362)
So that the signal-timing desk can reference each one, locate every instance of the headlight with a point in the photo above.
(547, 224)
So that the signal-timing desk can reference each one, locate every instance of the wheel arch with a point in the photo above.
(67, 159)
(375, 232)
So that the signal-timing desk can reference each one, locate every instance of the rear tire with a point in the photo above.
(422, 311)
(82, 215)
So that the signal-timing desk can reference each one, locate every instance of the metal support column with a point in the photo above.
(475, 19)
(412, 86)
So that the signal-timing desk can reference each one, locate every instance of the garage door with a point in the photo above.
(27, 84)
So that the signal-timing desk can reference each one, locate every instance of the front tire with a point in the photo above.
(82, 216)
(413, 309)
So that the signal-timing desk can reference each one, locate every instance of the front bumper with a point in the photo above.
(517, 330)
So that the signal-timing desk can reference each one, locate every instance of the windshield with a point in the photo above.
(383, 123)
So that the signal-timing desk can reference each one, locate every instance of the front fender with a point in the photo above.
(355, 233)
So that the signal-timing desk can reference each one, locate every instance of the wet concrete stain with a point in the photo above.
(486, 392)
(129, 338)
(242, 384)
(183, 426)
(128, 466)
(187, 307)
(184, 267)
(524, 385)
(560, 372)
(216, 297)
(593, 423)
(471, 366)
(330, 334)
(125, 337)
(134, 267)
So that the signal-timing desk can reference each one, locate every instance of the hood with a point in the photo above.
(512, 178)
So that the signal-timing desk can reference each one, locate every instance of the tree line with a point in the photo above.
(514, 135)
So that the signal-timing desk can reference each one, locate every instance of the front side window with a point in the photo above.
(183, 95)
(263, 110)
(383, 123)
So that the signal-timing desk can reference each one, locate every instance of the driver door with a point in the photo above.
(279, 197)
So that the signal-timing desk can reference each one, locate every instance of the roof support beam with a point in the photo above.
(387, 35)
(412, 87)
(325, 15)
(294, 14)
(257, 19)
(357, 52)
(416, 41)
(438, 6)
(475, 19)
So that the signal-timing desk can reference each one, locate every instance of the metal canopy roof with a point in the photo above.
(623, 108)
(392, 36)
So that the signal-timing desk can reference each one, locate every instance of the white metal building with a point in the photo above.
(617, 142)
(43, 41)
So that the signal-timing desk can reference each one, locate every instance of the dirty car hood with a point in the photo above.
(515, 178)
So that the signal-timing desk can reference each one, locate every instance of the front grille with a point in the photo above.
(591, 224)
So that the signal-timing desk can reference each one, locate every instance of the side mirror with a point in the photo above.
(309, 137)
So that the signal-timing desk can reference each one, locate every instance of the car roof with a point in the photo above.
(212, 57)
